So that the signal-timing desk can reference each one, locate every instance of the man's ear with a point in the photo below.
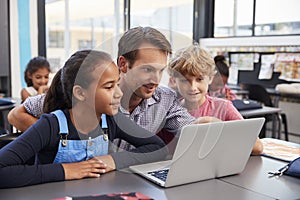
(79, 93)
(172, 83)
(123, 64)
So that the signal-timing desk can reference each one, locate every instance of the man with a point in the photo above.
(142, 58)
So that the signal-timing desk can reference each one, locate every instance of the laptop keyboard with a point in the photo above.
(160, 174)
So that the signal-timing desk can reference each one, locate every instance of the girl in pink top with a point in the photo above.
(192, 70)
(219, 87)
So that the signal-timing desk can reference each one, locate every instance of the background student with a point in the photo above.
(142, 58)
(193, 69)
(219, 87)
(36, 76)
(86, 89)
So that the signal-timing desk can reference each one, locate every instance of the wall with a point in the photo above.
(292, 110)
(23, 40)
(262, 44)
(4, 50)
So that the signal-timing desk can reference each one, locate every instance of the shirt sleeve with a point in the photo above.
(232, 112)
(177, 117)
(148, 146)
(15, 168)
(34, 105)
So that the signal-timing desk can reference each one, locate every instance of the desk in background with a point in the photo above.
(276, 94)
(4, 109)
(241, 93)
(289, 103)
(261, 112)
(271, 91)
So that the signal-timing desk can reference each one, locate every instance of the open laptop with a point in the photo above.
(205, 151)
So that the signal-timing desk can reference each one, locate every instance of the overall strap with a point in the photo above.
(62, 121)
(104, 127)
(63, 125)
(103, 121)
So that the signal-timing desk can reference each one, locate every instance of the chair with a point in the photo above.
(7, 137)
(260, 94)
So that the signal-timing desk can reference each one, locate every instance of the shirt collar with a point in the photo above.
(155, 98)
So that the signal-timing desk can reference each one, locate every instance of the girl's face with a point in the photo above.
(39, 77)
(104, 92)
(193, 89)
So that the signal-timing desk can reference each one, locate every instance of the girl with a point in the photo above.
(193, 69)
(72, 142)
(219, 87)
(36, 76)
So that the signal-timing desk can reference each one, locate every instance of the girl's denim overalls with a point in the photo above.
(79, 150)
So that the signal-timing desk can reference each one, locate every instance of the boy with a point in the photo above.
(192, 70)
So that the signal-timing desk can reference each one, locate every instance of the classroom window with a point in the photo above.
(77, 24)
(278, 17)
(85, 44)
(235, 17)
(56, 39)
(172, 17)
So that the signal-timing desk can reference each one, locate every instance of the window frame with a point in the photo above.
(203, 22)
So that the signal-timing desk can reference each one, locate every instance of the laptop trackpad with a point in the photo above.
(210, 140)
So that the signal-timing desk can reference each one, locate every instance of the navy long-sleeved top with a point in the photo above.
(29, 159)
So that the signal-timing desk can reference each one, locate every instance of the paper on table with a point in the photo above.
(281, 150)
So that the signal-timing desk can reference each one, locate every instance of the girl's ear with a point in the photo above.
(79, 93)
(123, 64)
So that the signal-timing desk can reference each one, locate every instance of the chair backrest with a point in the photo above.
(258, 93)
(7, 137)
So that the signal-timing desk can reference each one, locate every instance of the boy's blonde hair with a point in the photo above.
(192, 60)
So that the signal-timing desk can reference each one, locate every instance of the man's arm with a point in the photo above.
(20, 118)
(23, 116)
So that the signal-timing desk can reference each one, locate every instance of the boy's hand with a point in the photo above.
(206, 119)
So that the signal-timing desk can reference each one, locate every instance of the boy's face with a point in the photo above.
(144, 75)
(193, 89)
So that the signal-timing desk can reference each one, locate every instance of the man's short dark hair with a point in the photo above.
(132, 39)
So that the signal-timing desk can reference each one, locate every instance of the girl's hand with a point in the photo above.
(108, 161)
(89, 168)
(43, 89)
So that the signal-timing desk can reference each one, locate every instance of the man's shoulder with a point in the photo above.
(164, 91)
(37, 98)
(164, 97)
